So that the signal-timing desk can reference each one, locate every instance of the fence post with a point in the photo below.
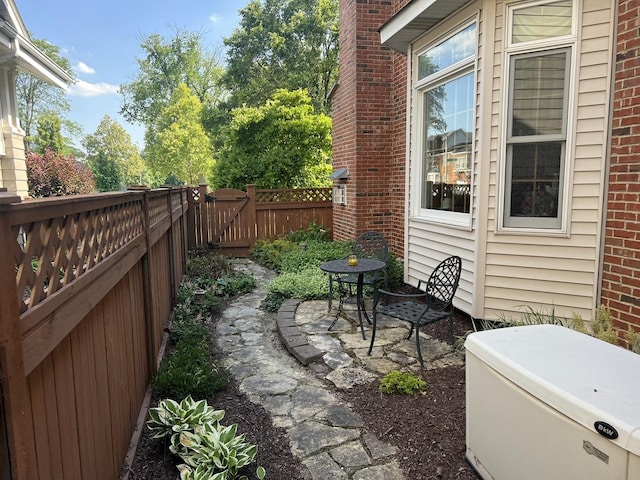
(204, 215)
(251, 208)
(15, 394)
(149, 305)
(172, 255)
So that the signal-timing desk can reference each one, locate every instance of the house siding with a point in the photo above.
(556, 274)
(504, 269)
(621, 259)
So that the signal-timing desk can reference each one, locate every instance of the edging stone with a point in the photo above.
(294, 341)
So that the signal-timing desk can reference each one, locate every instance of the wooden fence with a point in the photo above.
(88, 283)
(231, 221)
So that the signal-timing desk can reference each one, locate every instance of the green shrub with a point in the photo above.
(269, 253)
(208, 266)
(306, 284)
(313, 233)
(398, 382)
(238, 284)
(190, 370)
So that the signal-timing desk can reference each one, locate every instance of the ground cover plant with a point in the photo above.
(297, 258)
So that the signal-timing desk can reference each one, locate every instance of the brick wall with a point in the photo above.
(621, 267)
(369, 124)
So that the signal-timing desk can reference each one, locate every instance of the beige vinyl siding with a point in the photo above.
(506, 270)
(429, 243)
(545, 271)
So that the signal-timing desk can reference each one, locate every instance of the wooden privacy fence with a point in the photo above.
(231, 220)
(88, 284)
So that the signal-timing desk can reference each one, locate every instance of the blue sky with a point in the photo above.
(102, 41)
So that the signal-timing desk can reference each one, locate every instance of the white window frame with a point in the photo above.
(537, 225)
(419, 88)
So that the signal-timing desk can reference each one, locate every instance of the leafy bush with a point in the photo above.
(307, 284)
(53, 174)
(208, 266)
(406, 383)
(238, 284)
(189, 371)
(313, 233)
(633, 339)
(171, 417)
(269, 253)
(210, 450)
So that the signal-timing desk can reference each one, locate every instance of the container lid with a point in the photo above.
(585, 379)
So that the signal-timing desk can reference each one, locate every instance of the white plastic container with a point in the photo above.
(545, 402)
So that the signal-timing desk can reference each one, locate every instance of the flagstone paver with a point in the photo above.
(267, 356)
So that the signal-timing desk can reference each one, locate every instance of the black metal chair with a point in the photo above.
(428, 305)
(370, 244)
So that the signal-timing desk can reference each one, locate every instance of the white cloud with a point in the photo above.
(215, 18)
(82, 67)
(86, 89)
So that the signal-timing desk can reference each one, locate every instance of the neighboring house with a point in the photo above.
(483, 129)
(17, 52)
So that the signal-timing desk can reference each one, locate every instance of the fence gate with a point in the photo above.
(231, 221)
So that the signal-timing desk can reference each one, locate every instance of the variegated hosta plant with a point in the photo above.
(214, 452)
(171, 417)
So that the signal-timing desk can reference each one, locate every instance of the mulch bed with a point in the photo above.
(429, 429)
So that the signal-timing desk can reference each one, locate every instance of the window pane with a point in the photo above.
(538, 95)
(451, 51)
(535, 179)
(448, 141)
(542, 21)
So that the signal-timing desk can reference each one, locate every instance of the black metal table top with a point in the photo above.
(365, 265)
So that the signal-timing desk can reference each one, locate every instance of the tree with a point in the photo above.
(283, 44)
(282, 144)
(168, 63)
(181, 147)
(37, 98)
(112, 157)
(52, 174)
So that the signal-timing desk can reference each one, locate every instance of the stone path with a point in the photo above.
(325, 433)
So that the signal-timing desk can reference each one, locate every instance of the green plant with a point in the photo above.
(633, 339)
(213, 451)
(269, 253)
(171, 417)
(307, 284)
(601, 327)
(398, 382)
(189, 371)
(313, 233)
(208, 265)
(238, 284)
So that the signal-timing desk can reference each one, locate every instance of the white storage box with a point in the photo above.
(548, 403)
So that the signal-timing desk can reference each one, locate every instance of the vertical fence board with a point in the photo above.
(104, 425)
(66, 414)
(85, 397)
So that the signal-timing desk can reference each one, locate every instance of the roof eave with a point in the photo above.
(416, 18)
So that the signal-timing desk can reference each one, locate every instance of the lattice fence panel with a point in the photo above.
(295, 195)
(54, 252)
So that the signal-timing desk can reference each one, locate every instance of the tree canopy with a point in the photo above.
(283, 44)
(113, 158)
(281, 144)
(37, 99)
(168, 62)
(181, 146)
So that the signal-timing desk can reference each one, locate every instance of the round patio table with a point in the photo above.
(342, 267)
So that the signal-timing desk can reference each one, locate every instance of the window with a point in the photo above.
(536, 130)
(446, 96)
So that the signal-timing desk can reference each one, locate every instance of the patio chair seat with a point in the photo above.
(425, 306)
